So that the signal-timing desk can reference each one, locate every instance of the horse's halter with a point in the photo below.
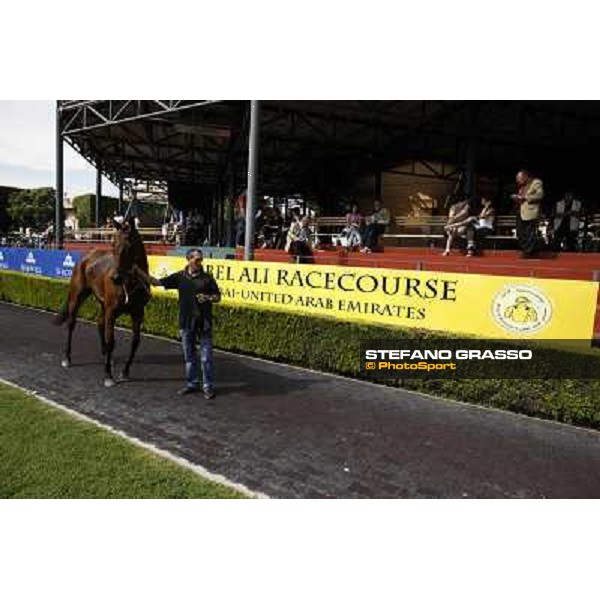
(123, 250)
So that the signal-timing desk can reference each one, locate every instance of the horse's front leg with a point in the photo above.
(102, 329)
(109, 338)
(137, 318)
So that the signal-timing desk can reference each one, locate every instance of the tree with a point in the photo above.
(5, 222)
(31, 208)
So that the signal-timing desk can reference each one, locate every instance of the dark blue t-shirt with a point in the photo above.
(193, 314)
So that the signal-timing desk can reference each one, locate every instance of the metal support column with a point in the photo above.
(378, 185)
(252, 174)
(98, 195)
(58, 202)
(215, 211)
(120, 204)
(470, 162)
(231, 225)
(131, 208)
(217, 215)
(471, 150)
(222, 238)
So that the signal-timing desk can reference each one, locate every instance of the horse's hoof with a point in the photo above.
(108, 382)
(66, 363)
(124, 377)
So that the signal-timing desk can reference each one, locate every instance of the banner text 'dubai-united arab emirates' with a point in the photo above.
(480, 305)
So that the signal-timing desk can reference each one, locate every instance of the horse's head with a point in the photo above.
(128, 248)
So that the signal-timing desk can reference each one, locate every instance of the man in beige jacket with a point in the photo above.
(529, 198)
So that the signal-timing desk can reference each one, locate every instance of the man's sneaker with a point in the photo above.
(187, 390)
(209, 393)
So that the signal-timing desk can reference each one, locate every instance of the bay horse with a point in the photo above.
(119, 281)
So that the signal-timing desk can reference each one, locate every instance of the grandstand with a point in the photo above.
(324, 150)
(195, 154)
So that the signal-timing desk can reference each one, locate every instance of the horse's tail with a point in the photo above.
(63, 313)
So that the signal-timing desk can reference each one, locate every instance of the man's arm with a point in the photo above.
(214, 293)
(169, 282)
(535, 193)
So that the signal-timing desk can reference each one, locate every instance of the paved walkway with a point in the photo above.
(291, 433)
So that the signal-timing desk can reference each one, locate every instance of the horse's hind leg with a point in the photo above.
(109, 337)
(137, 318)
(76, 298)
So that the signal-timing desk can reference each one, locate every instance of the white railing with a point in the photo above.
(105, 234)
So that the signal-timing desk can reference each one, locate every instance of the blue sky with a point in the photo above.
(27, 150)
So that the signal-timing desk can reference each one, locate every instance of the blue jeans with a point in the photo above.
(372, 233)
(189, 338)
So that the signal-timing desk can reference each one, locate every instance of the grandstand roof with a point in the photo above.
(305, 145)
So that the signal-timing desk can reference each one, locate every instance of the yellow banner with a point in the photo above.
(481, 305)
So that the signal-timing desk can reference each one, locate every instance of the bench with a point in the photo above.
(506, 226)
(505, 229)
(590, 241)
(431, 228)
(428, 227)
(332, 226)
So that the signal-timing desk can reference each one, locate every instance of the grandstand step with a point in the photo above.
(506, 263)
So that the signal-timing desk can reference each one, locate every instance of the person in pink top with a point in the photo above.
(354, 218)
(350, 236)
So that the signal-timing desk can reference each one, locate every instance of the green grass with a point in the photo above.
(46, 453)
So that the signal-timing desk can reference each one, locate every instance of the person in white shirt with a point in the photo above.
(481, 226)
(298, 238)
(567, 219)
(376, 224)
(459, 220)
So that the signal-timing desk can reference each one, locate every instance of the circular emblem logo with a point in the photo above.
(521, 309)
